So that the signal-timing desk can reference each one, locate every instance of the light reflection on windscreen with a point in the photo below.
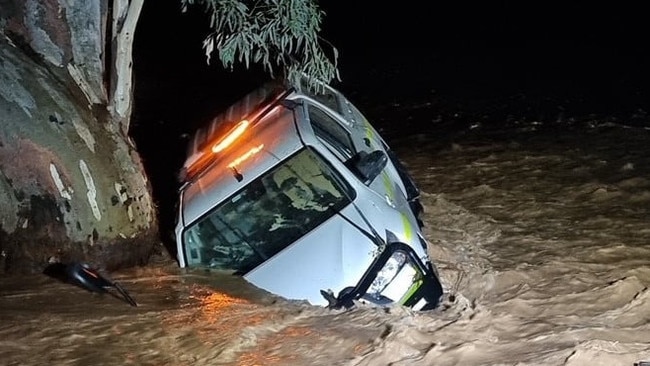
(266, 216)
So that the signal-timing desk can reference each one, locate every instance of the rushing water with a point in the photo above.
(539, 229)
(541, 236)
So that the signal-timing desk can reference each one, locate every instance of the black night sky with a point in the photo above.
(494, 59)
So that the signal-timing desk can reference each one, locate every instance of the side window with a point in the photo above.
(328, 98)
(328, 129)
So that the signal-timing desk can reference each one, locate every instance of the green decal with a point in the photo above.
(408, 230)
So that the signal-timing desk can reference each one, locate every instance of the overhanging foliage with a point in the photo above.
(278, 34)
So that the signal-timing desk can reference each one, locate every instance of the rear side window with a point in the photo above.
(328, 98)
(328, 129)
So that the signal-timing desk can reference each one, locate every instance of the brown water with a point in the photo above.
(542, 238)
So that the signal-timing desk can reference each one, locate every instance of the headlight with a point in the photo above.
(397, 276)
(395, 282)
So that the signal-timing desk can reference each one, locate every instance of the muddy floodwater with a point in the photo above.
(540, 233)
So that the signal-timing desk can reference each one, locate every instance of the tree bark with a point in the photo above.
(125, 18)
(72, 187)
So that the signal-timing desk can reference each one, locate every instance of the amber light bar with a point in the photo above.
(210, 153)
(237, 131)
(245, 156)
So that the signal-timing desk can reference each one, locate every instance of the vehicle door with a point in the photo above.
(347, 139)
(363, 137)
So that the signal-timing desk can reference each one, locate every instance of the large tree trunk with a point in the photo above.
(72, 186)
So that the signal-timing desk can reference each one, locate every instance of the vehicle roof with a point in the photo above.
(271, 137)
(249, 107)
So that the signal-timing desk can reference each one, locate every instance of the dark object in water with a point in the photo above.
(82, 275)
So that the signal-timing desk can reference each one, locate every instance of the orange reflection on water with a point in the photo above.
(216, 302)
(220, 313)
(206, 311)
(223, 317)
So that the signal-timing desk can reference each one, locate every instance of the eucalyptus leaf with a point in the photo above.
(277, 34)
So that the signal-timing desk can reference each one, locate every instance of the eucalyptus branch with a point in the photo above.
(277, 34)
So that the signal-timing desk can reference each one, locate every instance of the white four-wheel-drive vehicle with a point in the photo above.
(295, 191)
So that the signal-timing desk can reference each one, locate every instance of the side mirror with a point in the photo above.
(367, 166)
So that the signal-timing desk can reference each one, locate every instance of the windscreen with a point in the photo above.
(268, 215)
